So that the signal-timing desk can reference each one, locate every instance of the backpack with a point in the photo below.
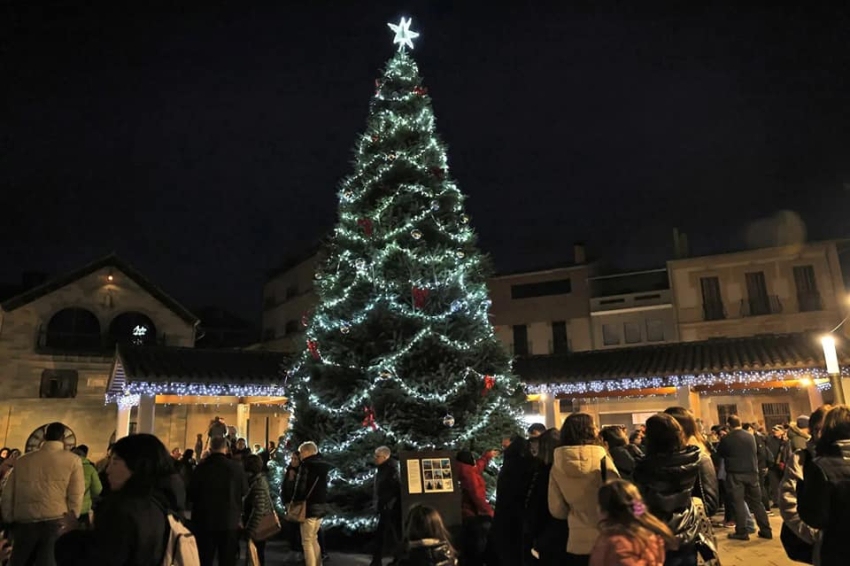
(181, 548)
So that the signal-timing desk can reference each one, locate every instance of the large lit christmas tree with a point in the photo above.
(400, 349)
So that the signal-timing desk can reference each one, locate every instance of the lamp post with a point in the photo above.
(832, 368)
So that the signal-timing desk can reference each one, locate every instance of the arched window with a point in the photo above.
(132, 328)
(36, 439)
(73, 329)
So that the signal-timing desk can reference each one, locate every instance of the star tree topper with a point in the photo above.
(403, 35)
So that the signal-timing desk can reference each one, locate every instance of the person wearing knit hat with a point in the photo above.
(803, 422)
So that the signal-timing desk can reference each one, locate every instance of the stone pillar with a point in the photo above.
(122, 423)
(549, 411)
(147, 413)
(243, 413)
(689, 399)
(815, 396)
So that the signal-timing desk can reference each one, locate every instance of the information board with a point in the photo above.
(429, 478)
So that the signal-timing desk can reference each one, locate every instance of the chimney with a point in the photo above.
(579, 255)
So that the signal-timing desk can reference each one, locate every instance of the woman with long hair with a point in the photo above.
(630, 534)
(668, 477)
(707, 488)
(546, 535)
(581, 465)
(131, 525)
(258, 502)
(823, 497)
(426, 540)
(624, 454)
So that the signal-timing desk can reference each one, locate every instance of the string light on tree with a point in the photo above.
(402, 318)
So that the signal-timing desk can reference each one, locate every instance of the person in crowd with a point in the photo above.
(668, 477)
(8, 463)
(311, 486)
(216, 490)
(624, 454)
(707, 488)
(536, 429)
(546, 534)
(131, 525)
(476, 512)
(506, 543)
(636, 439)
(292, 531)
(199, 445)
(797, 435)
(823, 497)
(5, 548)
(176, 453)
(269, 453)
(787, 493)
(629, 534)
(186, 465)
(258, 502)
(217, 428)
(241, 445)
(42, 487)
(738, 450)
(4, 453)
(776, 470)
(387, 502)
(763, 459)
(580, 466)
(91, 481)
(426, 540)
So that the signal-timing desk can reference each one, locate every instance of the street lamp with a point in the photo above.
(832, 368)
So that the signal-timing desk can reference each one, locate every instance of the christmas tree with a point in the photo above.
(400, 349)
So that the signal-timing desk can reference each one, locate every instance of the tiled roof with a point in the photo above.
(110, 260)
(756, 353)
(160, 364)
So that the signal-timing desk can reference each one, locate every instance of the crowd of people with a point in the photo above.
(570, 496)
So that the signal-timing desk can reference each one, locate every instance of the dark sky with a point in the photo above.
(204, 143)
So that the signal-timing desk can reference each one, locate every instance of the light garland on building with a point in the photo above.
(728, 379)
(137, 389)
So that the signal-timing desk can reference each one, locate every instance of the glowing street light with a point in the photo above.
(832, 368)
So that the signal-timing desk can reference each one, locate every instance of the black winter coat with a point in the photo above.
(505, 541)
(311, 485)
(667, 483)
(216, 491)
(625, 458)
(547, 534)
(130, 529)
(823, 501)
(428, 552)
(387, 489)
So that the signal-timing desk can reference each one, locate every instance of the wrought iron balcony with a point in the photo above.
(761, 306)
(713, 310)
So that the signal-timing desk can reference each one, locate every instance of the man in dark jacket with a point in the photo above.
(386, 501)
(738, 450)
(216, 490)
(311, 486)
(763, 460)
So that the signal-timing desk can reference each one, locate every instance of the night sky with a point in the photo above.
(204, 144)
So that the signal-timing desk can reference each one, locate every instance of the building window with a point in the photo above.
(723, 412)
(758, 302)
(132, 328)
(292, 327)
(73, 329)
(712, 302)
(775, 414)
(566, 406)
(808, 296)
(559, 337)
(631, 332)
(610, 335)
(520, 340)
(532, 407)
(58, 384)
(268, 334)
(655, 330)
(541, 289)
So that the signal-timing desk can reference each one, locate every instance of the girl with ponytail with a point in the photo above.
(629, 534)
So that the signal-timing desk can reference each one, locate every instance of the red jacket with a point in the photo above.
(473, 491)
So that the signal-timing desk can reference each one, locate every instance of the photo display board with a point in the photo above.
(428, 478)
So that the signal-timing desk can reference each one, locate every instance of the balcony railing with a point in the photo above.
(760, 306)
(713, 310)
(809, 301)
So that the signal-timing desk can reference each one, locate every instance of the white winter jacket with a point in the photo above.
(44, 485)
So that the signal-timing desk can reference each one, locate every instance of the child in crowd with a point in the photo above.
(426, 539)
(629, 534)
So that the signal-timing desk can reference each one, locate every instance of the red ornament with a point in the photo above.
(366, 224)
(438, 172)
(420, 295)
(374, 138)
(420, 90)
(489, 382)
(313, 347)
(369, 420)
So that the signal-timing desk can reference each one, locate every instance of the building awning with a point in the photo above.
(160, 370)
(730, 361)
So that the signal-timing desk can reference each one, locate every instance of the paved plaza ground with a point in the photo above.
(755, 552)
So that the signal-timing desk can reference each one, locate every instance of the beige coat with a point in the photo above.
(44, 485)
(573, 485)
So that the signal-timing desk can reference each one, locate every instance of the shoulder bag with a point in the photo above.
(296, 511)
(706, 542)
(268, 525)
